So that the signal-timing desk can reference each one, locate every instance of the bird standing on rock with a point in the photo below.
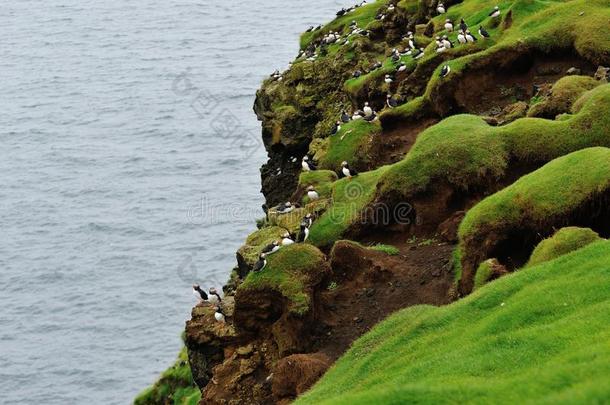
(368, 111)
(303, 234)
(285, 208)
(214, 297)
(347, 171)
(307, 165)
(307, 220)
(440, 8)
(463, 25)
(219, 315)
(388, 79)
(390, 102)
(200, 294)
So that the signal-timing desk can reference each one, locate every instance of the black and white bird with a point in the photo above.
(388, 79)
(260, 264)
(307, 164)
(463, 25)
(390, 102)
(483, 32)
(461, 37)
(376, 65)
(214, 297)
(287, 239)
(347, 171)
(470, 37)
(358, 114)
(401, 67)
(336, 128)
(418, 54)
(446, 43)
(201, 295)
(440, 8)
(495, 13)
(310, 28)
(449, 25)
(445, 71)
(307, 220)
(411, 40)
(312, 193)
(219, 315)
(368, 111)
(345, 118)
(357, 74)
(271, 248)
(285, 208)
(303, 234)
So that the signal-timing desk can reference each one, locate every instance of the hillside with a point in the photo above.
(477, 160)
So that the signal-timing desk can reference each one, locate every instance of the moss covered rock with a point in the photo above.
(564, 241)
(563, 95)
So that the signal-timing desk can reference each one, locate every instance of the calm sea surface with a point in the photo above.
(129, 159)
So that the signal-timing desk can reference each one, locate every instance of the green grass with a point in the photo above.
(351, 144)
(535, 201)
(322, 181)
(387, 249)
(536, 336)
(349, 198)
(175, 382)
(465, 151)
(257, 240)
(289, 271)
(564, 241)
(483, 274)
(362, 15)
(564, 93)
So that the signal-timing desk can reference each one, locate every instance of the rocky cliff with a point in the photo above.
(474, 153)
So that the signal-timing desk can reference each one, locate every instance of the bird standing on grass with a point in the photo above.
(285, 208)
(287, 239)
(260, 264)
(390, 102)
(495, 13)
(445, 71)
(440, 8)
(303, 234)
(368, 111)
(483, 33)
(271, 248)
(336, 128)
(219, 315)
(347, 171)
(307, 165)
(312, 193)
(448, 25)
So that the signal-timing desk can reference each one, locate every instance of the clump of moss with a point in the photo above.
(349, 198)
(387, 249)
(256, 241)
(563, 95)
(536, 336)
(290, 271)
(535, 202)
(175, 386)
(564, 241)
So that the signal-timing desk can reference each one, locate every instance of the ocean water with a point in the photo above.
(129, 158)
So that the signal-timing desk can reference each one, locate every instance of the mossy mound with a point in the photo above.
(533, 205)
(292, 220)
(256, 241)
(466, 152)
(563, 95)
(351, 144)
(349, 198)
(291, 271)
(536, 336)
(175, 386)
(564, 241)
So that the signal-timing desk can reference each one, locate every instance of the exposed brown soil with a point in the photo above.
(392, 146)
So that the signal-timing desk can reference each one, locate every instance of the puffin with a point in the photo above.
(358, 114)
(287, 239)
(336, 128)
(376, 65)
(463, 25)
(440, 8)
(260, 263)
(271, 248)
(470, 37)
(303, 234)
(345, 118)
(445, 71)
(312, 193)
(370, 118)
(449, 25)
(483, 32)
(357, 74)
(219, 315)
(390, 102)
(200, 294)
(285, 208)
(307, 220)
(307, 165)
(419, 55)
(446, 43)
(388, 79)
(310, 28)
(401, 67)
(495, 13)
(347, 171)
(214, 297)
(461, 37)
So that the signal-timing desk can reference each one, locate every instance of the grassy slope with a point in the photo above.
(536, 336)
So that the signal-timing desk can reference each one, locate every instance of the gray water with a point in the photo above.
(129, 159)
